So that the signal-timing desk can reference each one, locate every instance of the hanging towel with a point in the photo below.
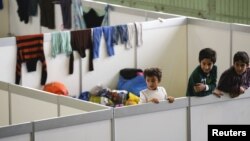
(78, 15)
(92, 19)
(97, 34)
(81, 40)
(47, 13)
(30, 51)
(107, 32)
(139, 40)
(61, 43)
(131, 35)
(1, 4)
(66, 13)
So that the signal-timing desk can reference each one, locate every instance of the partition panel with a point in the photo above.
(212, 110)
(8, 59)
(91, 126)
(147, 122)
(30, 104)
(18, 132)
(240, 39)
(165, 46)
(97, 131)
(4, 104)
(212, 34)
(25, 137)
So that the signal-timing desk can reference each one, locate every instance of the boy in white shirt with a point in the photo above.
(154, 93)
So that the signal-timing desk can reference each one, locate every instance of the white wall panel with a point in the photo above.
(166, 48)
(201, 36)
(96, 131)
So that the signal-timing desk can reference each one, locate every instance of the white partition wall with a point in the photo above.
(165, 46)
(8, 57)
(20, 28)
(147, 122)
(30, 104)
(240, 39)
(19, 132)
(4, 104)
(212, 110)
(91, 126)
(205, 33)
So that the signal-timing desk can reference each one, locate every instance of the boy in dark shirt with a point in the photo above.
(236, 79)
(203, 79)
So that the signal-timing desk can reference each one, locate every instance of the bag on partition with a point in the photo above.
(56, 88)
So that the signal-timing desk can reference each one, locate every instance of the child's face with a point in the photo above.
(206, 65)
(240, 67)
(152, 82)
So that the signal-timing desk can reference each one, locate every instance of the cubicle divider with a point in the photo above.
(185, 119)
(210, 110)
(147, 122)
(30, 112)
(4, 103)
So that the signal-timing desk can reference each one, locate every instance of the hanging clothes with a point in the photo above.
(120, 32)
(47, 13)
(97, 34)
(80, 41)
(23, 10)
(66, 13)
(30, 51)
(1, 4)
(92, 19)
(60, 43)
(131, 35)
(33, 4)
(138, 27)
(107, 32)
(123, 33)
(78, 15)
(105, 21)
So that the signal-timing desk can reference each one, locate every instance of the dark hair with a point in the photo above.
(153, 72)
(207, 53)
(241, 56)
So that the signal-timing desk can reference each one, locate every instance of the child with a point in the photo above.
(153, 92)
(203, 79)
(236, 79)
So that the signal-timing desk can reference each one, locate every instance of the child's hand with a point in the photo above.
(242, 90)
(198, 87)
(154, 100)
(170, 99)
(218, 93)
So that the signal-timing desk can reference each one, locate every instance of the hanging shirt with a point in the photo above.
(47, 13)
(92, 19)
(80, 41)
(147, 95)
(30, 51)
(23, 10)
(66, 13)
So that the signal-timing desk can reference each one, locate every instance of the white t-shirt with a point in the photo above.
(146, 94)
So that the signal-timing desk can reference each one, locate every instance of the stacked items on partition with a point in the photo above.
(114, 98)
